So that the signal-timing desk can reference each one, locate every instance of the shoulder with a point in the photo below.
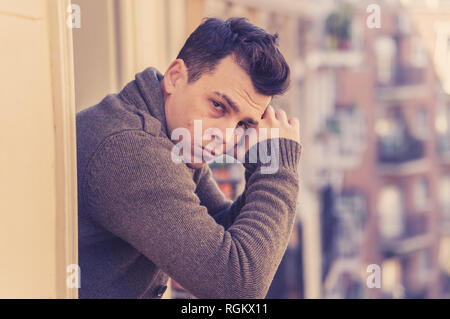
(133, 160)
(135, 148)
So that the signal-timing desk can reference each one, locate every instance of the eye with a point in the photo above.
(218, 106)
(242, 124)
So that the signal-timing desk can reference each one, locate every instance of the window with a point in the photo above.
(444, 196)
(391, 130)
(421, 123)
(404, 23)
(390, 212)
(423, 264)
(418, 54)
(351, 212)
(391, 271)
(442, 53)
(349, 125)
(442, 121)
(385, 51)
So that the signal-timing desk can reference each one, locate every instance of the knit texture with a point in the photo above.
(143, 217)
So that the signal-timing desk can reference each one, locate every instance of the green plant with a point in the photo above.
(338, 24)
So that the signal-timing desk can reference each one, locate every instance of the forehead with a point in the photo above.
(230, 79)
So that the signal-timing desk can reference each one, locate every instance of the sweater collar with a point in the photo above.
(146, 93)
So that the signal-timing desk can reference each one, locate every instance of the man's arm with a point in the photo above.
(152, 205)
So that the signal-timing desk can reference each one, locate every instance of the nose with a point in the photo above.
(226, 135)
(232, 135)
(215, 138)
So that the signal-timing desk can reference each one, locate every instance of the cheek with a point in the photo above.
(190, 125)
(215, 128)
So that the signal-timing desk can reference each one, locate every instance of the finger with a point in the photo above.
(269, 113)
(281, 115)
(294, 121)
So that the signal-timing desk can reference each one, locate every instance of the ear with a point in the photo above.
(176, 75)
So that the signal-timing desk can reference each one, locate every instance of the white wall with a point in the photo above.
(32, 230)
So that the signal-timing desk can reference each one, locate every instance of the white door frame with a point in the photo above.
(62, 72)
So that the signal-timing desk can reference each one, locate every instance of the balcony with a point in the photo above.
(401, 150)
(401, 156)
(406, 76)
(444, 148)
(335, 58)
(415, 236)
(340, 46)
(416, 225)
(408, 83)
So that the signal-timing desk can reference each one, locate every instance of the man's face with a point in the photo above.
(224, 98)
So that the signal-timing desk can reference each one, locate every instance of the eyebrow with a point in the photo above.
(234, 106)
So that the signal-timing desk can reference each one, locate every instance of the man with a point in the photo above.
(144, 217)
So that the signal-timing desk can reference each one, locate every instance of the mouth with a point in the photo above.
(208, 154)
(203, 153)
(212, 152)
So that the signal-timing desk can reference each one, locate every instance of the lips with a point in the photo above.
(212, 152)
(207, 154)
(204, 153)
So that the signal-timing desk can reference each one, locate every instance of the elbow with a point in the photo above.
(251, 286)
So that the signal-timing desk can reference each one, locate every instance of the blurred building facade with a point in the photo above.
(38, 203)
(377, 116)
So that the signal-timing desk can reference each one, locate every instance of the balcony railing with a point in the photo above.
(398, 151)
(415, 236)
(409, 76)
(415, 225)
(407, 83)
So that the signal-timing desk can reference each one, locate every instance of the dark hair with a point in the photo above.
(253, 49)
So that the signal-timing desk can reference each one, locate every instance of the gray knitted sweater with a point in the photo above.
(143, 217)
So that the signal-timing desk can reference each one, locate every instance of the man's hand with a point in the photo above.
(287, 128)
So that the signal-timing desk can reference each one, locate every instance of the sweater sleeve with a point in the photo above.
(136, 192)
